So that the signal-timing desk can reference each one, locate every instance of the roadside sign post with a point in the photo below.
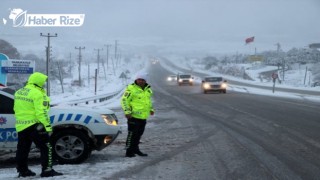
(3, 75)
(15, 66)
(274, 77)
(123, 76)
(256, 58)
(18, 66)
(95, 81)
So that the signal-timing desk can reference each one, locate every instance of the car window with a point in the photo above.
(8, 90)
(213, 79)
(6, 106)
(185, 76)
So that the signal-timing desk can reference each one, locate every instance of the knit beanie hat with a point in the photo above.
(142, 75)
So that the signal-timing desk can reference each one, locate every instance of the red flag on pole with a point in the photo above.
(249, 40)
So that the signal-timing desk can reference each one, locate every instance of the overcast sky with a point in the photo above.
(216, 26)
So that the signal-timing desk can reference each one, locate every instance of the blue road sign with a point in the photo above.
(3, 76)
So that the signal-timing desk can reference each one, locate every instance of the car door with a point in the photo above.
(8, 134)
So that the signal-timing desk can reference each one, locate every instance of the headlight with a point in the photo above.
(206, 85)
(169, 79)
(180, 80)
(224, 85)
(190, 79)
(110, 119)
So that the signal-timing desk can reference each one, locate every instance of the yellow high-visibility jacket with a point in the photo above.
(137, 101)
(31, 104)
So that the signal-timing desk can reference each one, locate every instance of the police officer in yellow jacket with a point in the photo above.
(136, 103)
(31, 107)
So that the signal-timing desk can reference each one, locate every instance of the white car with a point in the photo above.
(210, 83)
(172, 78)
(185, 79)
(76, 132)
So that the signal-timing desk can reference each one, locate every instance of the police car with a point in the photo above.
(76, 132)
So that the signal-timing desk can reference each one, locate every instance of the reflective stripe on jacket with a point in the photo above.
(31, 104)
(137, 101)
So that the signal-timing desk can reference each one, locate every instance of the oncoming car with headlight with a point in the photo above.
(185, 79)
(172, 78)
(210, 83)
(76, 131)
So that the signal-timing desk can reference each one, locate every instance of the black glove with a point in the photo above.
(128, 116)
(41, 130)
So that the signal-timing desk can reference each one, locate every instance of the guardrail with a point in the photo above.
(93, 99)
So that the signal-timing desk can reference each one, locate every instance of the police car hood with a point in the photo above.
(82, 109)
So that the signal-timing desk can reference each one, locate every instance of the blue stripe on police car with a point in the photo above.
(8, 134)
(69, 118)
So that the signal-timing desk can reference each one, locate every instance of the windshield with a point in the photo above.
(8, 90)
(185, 76)
(213, 79)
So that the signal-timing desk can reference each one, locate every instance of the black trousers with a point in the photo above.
(135, 131)
(41, 140)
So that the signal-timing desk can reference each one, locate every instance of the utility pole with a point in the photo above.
(98, 58)
(48, 59)
(283, 67)
(70, 63)
(278, 47)
(107, 45)
(80, 58)
(60, 75)
(115, 51)
(119, 58)
(305, 76)
(88, 74)
(283, 60)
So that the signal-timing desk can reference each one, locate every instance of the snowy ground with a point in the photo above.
(109, 161)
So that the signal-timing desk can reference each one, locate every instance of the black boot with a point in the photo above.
(26, 173)
(139, 153)
(130, 154)
(50, 173)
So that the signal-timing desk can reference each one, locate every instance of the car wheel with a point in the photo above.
(71, 146)
(205, 92)
(224, 91)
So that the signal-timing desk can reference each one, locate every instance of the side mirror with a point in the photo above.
(202, 81)
(225, 81)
